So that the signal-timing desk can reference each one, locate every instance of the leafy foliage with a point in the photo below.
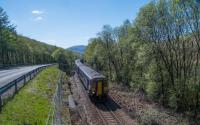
(158, 53)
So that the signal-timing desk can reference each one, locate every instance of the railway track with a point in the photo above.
(107, 115)
(103, 113)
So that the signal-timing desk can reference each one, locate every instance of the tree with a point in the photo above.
(158, 52)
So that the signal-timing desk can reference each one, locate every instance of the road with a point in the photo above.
(9, 75)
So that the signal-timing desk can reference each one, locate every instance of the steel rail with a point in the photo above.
(114, 115)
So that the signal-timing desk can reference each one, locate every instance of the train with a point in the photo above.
(95, 83)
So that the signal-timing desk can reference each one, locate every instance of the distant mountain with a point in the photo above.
(79, 49)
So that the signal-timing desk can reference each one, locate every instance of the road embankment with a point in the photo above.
(33, 103)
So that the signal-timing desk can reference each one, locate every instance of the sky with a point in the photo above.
(66, 23)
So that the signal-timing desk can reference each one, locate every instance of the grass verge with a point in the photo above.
(32, 104)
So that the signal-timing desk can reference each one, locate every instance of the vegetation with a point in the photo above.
(158, 53)
(33, 103)
(19, 50)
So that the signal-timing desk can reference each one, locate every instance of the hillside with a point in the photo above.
(17, 50)
(79, 49)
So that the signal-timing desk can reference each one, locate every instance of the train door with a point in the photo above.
(93, 87)
(99, 88)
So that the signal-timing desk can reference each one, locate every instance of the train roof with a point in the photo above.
(78, 62)
(89, 72)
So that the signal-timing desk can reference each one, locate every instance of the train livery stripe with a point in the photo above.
(99, 88)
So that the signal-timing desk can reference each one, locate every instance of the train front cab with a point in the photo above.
(99, 88)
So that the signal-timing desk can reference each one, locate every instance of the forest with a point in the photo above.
(158, 53)
(18, 50)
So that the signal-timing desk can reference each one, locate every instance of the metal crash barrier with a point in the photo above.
(21, 80)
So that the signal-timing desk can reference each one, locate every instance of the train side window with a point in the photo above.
(88, 84)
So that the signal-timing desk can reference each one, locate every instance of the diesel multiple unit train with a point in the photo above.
(94, 82)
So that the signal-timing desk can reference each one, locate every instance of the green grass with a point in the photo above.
(32, 104)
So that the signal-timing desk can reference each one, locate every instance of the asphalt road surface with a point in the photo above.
(9, 75)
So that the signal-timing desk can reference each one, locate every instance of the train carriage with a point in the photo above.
(94, 82)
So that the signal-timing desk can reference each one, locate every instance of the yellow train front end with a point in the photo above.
(99, 88)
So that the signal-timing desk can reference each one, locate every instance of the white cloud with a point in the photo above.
(38, 15)
(37, 12)
(38, 18)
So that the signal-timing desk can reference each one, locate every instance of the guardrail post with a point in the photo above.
(24, 78)
(30, 75)
(1, 103)
(15, 86)
(35, 72)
